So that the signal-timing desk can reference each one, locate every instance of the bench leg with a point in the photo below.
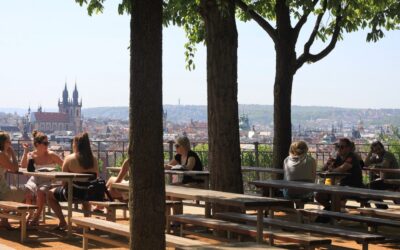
(111, 214)
(85, 241)
(364, 246)
(23, 226)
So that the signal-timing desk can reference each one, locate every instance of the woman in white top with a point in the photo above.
(43, 158)
(8, 162)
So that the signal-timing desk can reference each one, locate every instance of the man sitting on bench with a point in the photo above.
(381, 158)
(345, 162)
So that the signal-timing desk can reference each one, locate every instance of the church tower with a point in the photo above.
(76, 111)
(72, 108)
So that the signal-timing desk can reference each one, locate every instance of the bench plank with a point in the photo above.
(123, 230)
(199, 220)
(15, 206)
(387, 213)
(352, 217)
(231, 246)
(354, 235)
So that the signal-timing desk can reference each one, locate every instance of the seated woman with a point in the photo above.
(80, 161)
(299, 166)
(187, 158)
(8, 162)
(43, 158)
(115, 194)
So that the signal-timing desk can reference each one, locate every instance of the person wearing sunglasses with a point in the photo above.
(346, 161)
(37, 187)
(187, 158)
(8, 162)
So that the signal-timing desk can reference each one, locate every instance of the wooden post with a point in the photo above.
(171, 150)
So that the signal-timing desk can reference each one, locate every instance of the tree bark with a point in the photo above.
(223, 115)
(285, 70)
(147, 189)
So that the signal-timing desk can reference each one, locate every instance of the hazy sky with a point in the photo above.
(45, 43)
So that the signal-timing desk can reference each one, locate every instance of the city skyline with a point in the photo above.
(45, 44)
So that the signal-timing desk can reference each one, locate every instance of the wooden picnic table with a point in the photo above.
(67, 177)
(334, 176)
(335, 191)
(382, 171)
(262, 170)
(245, 202)
(202, 175)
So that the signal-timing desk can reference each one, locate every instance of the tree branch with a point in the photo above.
(303, 19)
(307, 46)
(259, 19)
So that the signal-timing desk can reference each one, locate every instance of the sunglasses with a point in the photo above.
(342, 146)
(46, 143)
(177, 145)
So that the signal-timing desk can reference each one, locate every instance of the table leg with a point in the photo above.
(335, 202)
(69, 208)
(260, 225)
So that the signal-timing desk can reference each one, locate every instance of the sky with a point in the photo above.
(45, 44)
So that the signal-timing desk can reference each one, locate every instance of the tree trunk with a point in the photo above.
(285, 65)
(147, 189)
(223, 120)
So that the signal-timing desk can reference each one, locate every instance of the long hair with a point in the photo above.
(84, 152)
(3, 138)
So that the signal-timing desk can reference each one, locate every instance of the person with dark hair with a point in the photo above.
(80, 161)
(8, 162)
(381, 158)
(345, 162)
(42, 158)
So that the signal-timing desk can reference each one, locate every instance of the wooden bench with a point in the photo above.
(170, 207)
(307, 241)
(121, 230)
(21, 210)
(359, 237)
(370, 221)
(231, 246)
(111, 206)
(384, 213)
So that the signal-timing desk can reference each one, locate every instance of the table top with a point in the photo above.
(332, 189)
(212, 196)
(383, 170)
(187, 172)
(54, 175)
(262, 169)
(331, 174)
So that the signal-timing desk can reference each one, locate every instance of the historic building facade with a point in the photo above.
(68, 117)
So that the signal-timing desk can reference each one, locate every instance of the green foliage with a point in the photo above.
(96, 6)
(185, 14)
(120, 160)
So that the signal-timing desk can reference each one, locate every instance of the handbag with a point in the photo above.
(95, 190)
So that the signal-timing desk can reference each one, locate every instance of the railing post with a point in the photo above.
(256, 154)
(171, 150)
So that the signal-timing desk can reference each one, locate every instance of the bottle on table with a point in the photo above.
(31, 165)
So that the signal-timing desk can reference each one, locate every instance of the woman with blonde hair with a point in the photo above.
(187, 158)
(43, 159)
(299, 166)
(8, 162)
(80, 161)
